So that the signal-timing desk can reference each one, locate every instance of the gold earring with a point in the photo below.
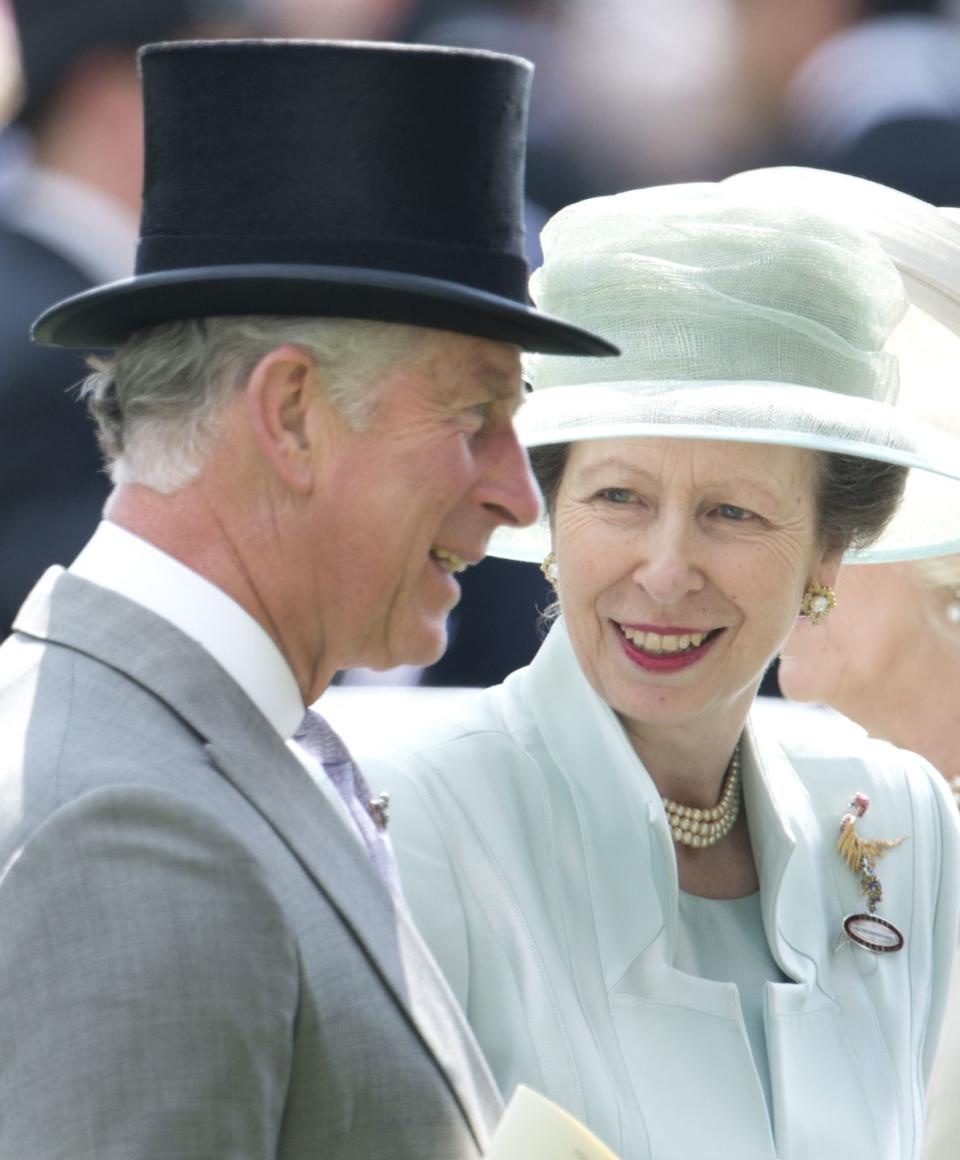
(817, 602)
(549, 568)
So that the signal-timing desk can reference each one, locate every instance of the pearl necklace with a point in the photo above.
(701, 828)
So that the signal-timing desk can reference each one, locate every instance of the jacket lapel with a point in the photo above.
(342, 871)
(613, 815)
(249, 753)
(802, 909)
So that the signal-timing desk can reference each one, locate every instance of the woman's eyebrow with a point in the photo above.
(618, 463)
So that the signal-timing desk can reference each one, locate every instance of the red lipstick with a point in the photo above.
(664, 662)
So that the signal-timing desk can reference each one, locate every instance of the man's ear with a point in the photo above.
(284, 401)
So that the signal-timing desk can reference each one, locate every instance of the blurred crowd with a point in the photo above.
(627, 93)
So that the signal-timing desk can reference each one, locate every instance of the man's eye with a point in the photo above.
(730, 511)
(476, 415)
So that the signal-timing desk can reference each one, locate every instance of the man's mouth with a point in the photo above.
(665, 643)
(449, 561)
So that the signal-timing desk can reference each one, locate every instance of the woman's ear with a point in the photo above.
(829, 566)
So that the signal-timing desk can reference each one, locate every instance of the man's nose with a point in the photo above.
(508, 488)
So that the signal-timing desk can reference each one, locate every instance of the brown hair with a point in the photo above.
(855, 499)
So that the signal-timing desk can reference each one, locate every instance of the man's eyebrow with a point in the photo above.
(505, 386)
(502, 385)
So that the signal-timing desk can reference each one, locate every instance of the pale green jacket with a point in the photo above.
(538, 864)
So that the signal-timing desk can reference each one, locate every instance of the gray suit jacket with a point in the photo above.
(196, 957)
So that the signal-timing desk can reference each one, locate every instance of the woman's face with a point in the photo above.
(876, 624)
(681, 566)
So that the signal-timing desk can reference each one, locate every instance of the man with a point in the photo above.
(204, 952)
(866, 87)
(70, 176)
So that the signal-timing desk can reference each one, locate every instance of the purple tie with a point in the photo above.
(369, 813)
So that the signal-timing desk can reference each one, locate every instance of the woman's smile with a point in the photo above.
(665, 650)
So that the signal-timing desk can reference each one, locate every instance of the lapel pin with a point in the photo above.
(379, 810)
(868, 930)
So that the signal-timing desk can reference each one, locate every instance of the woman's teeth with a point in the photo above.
(448, 560)
(657, 642)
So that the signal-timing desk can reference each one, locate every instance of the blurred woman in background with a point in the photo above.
(888, 657)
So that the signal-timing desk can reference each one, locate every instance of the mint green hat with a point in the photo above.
(782, 306)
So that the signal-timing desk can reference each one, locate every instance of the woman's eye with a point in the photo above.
(617, 495)
(730, 511)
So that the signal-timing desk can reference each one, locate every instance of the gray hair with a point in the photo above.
(158, 401)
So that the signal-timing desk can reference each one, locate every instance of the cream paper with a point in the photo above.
(535, 1128)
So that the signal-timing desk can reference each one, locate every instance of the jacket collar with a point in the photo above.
(250, 754)
(128, 565)
(636, 905)
(801, 914)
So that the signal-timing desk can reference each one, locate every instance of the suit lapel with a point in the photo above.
(249, 753)
(343, 872)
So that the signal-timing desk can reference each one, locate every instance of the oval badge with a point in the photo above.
(873, 933)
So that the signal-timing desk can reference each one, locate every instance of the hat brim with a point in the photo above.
(104, 317)
(782, 414)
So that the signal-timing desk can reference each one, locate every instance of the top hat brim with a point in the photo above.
(104, 317)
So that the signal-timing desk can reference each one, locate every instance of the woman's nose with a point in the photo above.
(668, 569)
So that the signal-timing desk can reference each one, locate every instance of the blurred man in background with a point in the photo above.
(70, 178)
(867, 87)
(342, 19)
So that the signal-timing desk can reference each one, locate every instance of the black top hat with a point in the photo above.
(54, 34)
(330, 179)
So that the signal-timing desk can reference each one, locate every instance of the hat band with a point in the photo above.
(495, 272)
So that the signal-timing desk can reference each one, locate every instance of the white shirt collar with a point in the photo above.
(94, 231)
(898, 66)
(130, 566)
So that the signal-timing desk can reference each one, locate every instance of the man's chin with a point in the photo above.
(420, 649)
(428, 650)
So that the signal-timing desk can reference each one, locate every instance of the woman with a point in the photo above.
(888, 657)
(634, 890)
